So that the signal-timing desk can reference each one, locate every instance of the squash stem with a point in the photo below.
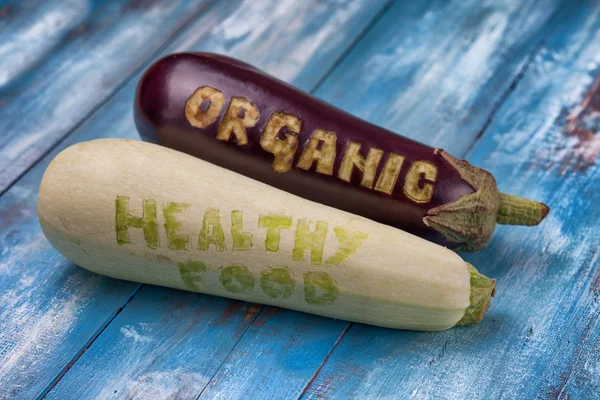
(520, 211)
(482, 291)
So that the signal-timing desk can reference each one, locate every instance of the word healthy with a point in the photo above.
(276, 282)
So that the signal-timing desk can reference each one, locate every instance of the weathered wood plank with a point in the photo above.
(54, 97)
(541, 336)
(42, 300)
(148, 348)
(60, 59)
(31, 30)
(434, 71)
(405, 18)
(298, 42)
(24, 248)
(277, 356)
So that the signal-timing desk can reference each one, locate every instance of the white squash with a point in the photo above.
(141, 212)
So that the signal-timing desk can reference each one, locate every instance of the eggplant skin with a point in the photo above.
(317, 169)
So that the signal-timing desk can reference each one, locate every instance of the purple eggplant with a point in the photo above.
(231, 114)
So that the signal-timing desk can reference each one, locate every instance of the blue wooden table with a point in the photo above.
(513, 86)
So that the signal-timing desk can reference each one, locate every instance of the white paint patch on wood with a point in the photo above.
(32, 325)
(130, 331)
(28, 41)
(288, 32)
(175, 384)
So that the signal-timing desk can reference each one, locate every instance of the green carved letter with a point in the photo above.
(313, 241)
(242, 241)
(212, 231)
(236, 278)
(277, 282)
(190, 272)
(147, 222)
(274, 225)
(320, 288)
(348, 245)
(172, 225)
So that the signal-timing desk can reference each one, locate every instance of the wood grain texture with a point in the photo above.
(541, 336)
(434, 71)
(277, 356)
(540, 339)
(265, 358)
(148, 345)
(60, 59)
(368, 96)
(99, 47)
(42, 296)
(42, 352)
(30, 33)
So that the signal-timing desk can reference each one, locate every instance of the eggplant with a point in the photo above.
(233, 115)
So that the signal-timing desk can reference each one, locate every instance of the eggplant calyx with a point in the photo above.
(482, 291)
(469, 221)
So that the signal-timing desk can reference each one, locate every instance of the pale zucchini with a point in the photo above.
(141, 212)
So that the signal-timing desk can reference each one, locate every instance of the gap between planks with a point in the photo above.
(504, 96)
(312, 90)
(230, 351)
(117, 88)
(515, 82)
(310, 381)
(86, 117)
(517, 79)
(143, 64)
(315, 87)
(90, 343)
(352, 45)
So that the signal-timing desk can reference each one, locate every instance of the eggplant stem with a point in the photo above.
(520, 211)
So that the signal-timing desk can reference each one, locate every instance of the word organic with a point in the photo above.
(280, 138)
